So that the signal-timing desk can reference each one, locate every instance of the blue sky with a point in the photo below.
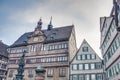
(20, 16)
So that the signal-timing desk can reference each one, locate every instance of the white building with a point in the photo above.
(110, 42)
(86, 65)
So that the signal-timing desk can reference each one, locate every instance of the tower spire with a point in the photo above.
(116, 7)
(50, 26)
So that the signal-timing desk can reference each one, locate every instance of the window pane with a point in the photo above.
(79, 57)
(75, 77)
(86, 66)
(88, 56)
(50, 72)
(98, 65)
(83, 57)
(92, 66)
(87, 77)
(99, 77)
(92, 56)
(81, 77)
(93, 77)
(85, 49)
(62, 72)
(30, 73)
(80, 66)
(74, 66)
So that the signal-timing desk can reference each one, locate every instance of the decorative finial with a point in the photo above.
(39, 24)
(50, 26)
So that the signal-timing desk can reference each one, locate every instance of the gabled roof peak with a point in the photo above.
(84, 41)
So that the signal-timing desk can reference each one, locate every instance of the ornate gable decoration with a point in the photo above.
(38, 35)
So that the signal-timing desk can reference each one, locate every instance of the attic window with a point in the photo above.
(85, 49)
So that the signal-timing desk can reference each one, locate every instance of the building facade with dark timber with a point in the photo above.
(110, 42)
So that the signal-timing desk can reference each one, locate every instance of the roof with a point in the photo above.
(58, 34)
(3, 49)
(84, 41)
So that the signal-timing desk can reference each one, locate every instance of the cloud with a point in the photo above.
(84, 14)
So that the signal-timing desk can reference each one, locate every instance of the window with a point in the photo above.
(86, 66)
(13, 50)
(87, 77)
(63, 46)
(93, 56)
(93, 77)
(52, 47)
(80, 66)
(74, 66)
(38, 60)
(70, 77)
(98, 65)
(62, 72)
(42, 60)
(47, 59)
(43, 47)
(85, 49)
(75, 77)
(92, 66)
(50, 72)
(30, 73)
(4, 66)
(33, 48)
(99, 77)
(78, 57)
(2, 72)
(62, 58)
(88, 56)
(12, 61)
(65, 58)
(53, 59)
(81, 77)
(56, 46)
(30, 61)
(11, 73)
(83, 57)
(18, 50)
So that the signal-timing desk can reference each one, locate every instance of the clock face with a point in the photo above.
(35, 38)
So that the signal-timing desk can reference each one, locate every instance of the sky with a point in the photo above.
(20, 16)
